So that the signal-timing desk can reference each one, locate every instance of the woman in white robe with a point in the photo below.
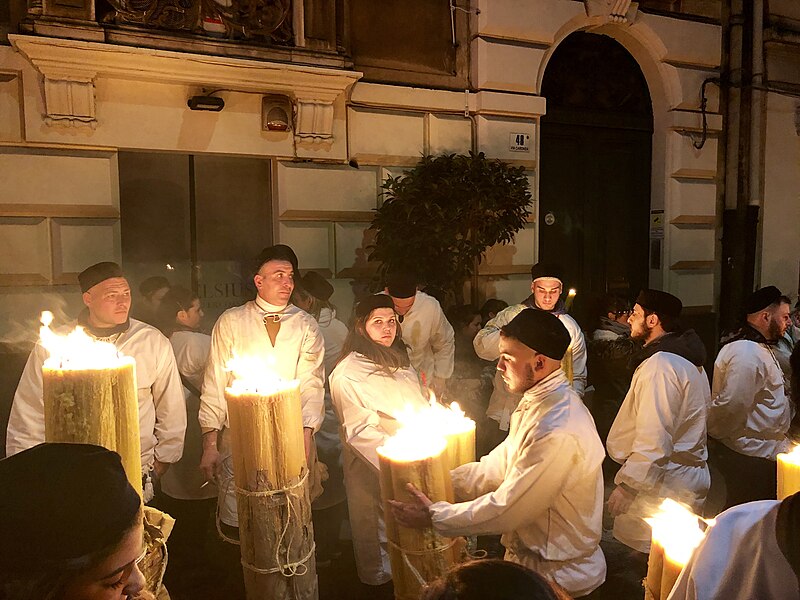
(372, 383)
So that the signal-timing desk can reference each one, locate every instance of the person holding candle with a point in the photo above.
(283, 336)
(546, 289)
(659, 434)
(371, 385)
(750, 413)
(162, 412)
(542, 487)
(426, 331)
(70, 526)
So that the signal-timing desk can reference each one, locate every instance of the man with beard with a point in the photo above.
(541, 487)
(659, 435)
(750, 413)
(546, 289)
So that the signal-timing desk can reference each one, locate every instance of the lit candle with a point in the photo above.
(788, 473)
(417, 556)
(89, 393)
(276, 535)
(676, 533)
(570, 298)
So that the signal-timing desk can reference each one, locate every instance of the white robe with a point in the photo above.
(487, 346)
(298, 354)
(184, 479)
(659, 438)
(429, 337)
(361, 395)
(749, 410)
(542, 488)
(739, 559)
(162, 412)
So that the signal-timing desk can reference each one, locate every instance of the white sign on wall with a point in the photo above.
(519, 142)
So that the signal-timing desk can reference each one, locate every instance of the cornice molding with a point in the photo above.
(70, 69)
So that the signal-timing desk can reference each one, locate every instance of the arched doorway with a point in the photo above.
(595, 161)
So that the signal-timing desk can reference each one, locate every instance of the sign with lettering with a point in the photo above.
(519, 142)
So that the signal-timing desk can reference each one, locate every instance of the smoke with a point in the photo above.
(20, 317)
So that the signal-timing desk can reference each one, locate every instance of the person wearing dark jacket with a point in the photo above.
(659, 435)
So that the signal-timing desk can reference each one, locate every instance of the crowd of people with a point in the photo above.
(560, 409)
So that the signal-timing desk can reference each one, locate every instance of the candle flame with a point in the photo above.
(677, 529)
(409, 445)
(436, 417)
(256, 375)
(793, 456)
(77, 350)
(572, 291)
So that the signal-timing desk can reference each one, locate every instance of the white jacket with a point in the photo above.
(542, 488)
(487, 346)
(184, 480)
(659, 438)
(749, 410)
(162, 412)
(365, 401)
(739, 559)
(429, 337)
(334, 333)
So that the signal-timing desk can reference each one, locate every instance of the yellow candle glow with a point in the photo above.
(788, 473)
(89, 394)
(676, 534)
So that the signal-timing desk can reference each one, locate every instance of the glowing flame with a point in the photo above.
(77, 350)
(792, 457)
(256, 375)
(571, 293)
(408, 445)
(677, 529)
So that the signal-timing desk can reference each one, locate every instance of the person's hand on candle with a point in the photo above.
(620, 501)
(308, 440)
(415, 515)
(210, 462)
(438, 386)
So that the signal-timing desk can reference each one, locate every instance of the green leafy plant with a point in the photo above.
(440, 217)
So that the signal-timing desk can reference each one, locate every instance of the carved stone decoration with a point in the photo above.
(69, 99)
(314, 121)
(612, 11)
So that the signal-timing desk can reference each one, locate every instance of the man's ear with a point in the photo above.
(87, 298)
(652, 320)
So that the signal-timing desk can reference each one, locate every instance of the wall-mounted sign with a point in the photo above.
(657, 224)
(519, 142)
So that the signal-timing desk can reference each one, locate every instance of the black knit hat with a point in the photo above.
(316, 285)
(541, 331)
(401, 284)
(660, 303)
(91, 276)
(761, 299)
(61, 502)
(277, 252)
(549, 270)
(370, 303)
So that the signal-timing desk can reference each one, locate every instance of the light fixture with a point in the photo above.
(276, 113)
(211, 103)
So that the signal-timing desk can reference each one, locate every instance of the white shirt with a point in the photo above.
(659, 438)
(334, 333)
(162, 413)
(429, 337)
(365, 401)
(739, 559)
(542, 488)
(487, 346)
(749, 410)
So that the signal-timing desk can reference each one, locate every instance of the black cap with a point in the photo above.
(401, 284)
(660, 303)
(370, 303)
(90, 277)
(153, 284)
(761, 299)
(552, 271)
(277, 252)
(541, 331)
(316, 285)
(61, 502)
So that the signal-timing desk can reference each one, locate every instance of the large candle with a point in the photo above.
(89, 393)
(417, 556)
(676, 533)
(271, 478)
(788, 473)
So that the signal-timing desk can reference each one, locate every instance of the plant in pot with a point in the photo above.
(439, 218)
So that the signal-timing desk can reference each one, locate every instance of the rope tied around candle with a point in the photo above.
(406, 553)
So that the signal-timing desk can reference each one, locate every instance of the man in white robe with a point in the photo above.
(750, 412)
(162, 413)
(659, 434)
(286, 340)
(426, 331)
(546, 290)
(542, 487)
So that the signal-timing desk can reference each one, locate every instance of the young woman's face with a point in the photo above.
(381, 326)
(115, 578)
